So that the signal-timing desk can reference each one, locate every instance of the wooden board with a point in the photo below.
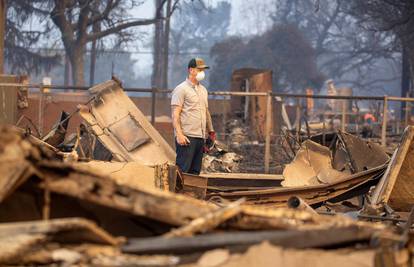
(131, 174)
(81, 229)
(292, 239)
(164, 206)
(396, 187)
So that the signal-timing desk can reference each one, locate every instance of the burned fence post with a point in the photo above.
(384, 122)
(269, 112)
(40, 117)
(298, 117)
(343, 120)
(224, 117)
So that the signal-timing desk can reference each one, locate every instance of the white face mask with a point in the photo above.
(200, 76)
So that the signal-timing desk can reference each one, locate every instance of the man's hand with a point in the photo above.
(212, 136)
(182, 140)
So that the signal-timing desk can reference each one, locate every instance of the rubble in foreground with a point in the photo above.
(62, 206)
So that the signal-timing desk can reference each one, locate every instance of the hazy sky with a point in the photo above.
(244, 13)
(247, 17)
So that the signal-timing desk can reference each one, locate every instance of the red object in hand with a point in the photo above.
(205, 149)
(212, 136)
(209, 144)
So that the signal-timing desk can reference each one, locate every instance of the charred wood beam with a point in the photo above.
(291, 239)
(155, 204)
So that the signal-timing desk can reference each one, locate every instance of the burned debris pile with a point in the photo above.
(111, 195)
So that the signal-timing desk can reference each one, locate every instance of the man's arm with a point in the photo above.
(209, 122)
(181, 138)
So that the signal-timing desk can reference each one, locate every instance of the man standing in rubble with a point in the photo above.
(191, 118)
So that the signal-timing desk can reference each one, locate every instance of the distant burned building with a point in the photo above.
(252, 109)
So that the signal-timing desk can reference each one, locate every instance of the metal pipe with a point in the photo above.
(295, 202)
(330, 96)
(224, 93)
(238, 93)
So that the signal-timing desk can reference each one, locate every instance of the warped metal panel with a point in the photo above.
(396, 187)
(348, 187)
(129, 133)
(122, 127)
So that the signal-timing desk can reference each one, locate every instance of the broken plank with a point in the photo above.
(73, 228)
(175, 209)
(209, 221)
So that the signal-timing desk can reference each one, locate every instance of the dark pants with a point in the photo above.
(190, 157)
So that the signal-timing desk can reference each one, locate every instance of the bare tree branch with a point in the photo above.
(120, 27)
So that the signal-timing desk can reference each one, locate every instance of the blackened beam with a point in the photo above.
(291, 239)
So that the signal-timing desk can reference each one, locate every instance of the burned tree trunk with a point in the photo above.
(156, 79)
(77, 63)
(3, 9)
(67, 70)
(165, 50)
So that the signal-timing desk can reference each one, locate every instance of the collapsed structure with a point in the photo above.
(74, 208)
